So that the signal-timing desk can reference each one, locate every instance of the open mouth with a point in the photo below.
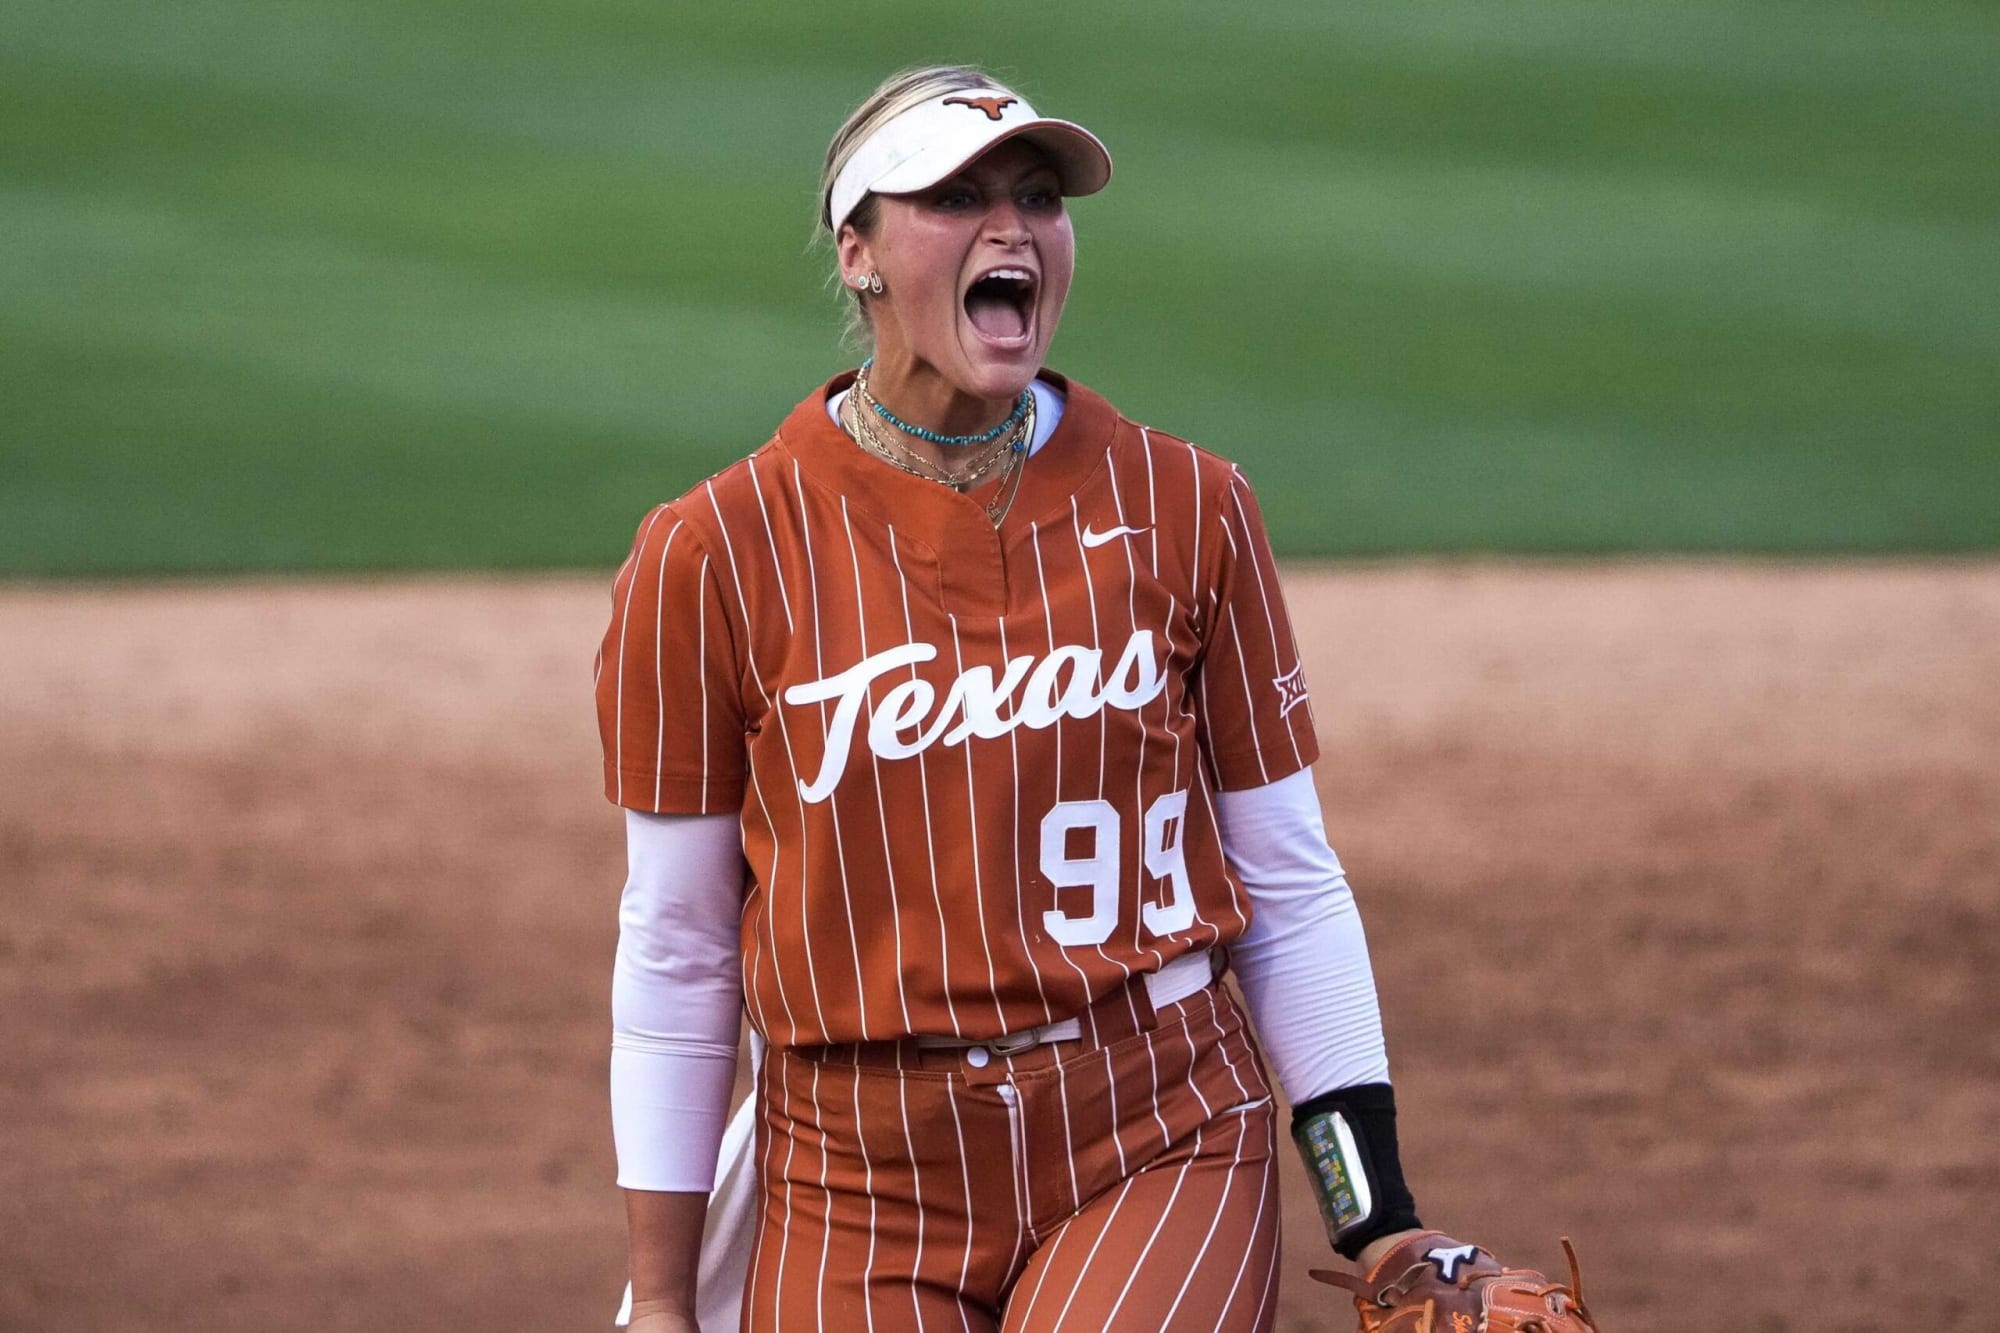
(1001, 303)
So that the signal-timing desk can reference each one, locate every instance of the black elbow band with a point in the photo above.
(1348, 1141)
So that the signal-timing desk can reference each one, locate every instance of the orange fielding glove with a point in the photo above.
(1431, 1283)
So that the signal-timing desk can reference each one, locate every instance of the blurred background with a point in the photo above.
(413, 283)
(1647, 355)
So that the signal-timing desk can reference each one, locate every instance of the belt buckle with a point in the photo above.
(1014, 1043)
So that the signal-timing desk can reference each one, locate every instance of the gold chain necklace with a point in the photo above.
(1022, 429)
(893, 451)
(1013, 454)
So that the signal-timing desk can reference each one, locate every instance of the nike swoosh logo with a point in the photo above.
(1093, 538)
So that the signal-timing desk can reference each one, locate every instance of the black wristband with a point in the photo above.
(1348, 1132)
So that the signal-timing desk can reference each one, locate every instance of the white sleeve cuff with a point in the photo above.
(1303, 964)
(676, 998)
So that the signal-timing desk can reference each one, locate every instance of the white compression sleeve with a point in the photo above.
(1303, 964)
(676, 998)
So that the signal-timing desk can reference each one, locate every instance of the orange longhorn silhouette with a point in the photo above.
(992, 106)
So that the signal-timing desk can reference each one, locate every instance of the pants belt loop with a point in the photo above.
(1124, 1012)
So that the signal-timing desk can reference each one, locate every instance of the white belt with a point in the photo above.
(1174, 982)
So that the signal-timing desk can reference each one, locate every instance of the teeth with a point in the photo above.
(1012, 274)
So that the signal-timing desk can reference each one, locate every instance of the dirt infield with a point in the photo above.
(1683, 883)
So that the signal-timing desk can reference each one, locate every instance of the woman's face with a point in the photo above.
(975, 271)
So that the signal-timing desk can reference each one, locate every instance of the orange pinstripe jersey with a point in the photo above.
(975, 768)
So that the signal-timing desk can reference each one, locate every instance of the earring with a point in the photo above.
(859, 282)
(875, 283)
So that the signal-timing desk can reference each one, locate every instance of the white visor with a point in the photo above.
(933, 140)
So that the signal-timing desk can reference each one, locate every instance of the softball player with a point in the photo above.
(964, 742)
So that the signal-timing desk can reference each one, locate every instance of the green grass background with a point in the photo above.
(319, 284)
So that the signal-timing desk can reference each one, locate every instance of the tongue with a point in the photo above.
(996, 316)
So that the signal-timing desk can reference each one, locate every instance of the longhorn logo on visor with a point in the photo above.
(992, 106)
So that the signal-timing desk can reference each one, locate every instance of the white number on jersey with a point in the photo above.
(1166, 818)
(1098, 869)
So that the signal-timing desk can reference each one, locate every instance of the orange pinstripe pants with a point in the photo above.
(1123, 1181)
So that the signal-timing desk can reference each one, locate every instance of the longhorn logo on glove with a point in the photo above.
(1448, 1261)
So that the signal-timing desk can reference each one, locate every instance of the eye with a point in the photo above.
(1042, 197)
(953, 198)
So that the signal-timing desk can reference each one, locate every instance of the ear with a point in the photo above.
(857, 260)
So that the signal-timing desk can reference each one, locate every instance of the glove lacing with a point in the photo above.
(1560, 1299)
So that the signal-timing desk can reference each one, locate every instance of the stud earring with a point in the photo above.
(859, 282)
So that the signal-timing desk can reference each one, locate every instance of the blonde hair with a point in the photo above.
(896, 94)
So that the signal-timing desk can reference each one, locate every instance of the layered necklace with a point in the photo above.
(1006, 446)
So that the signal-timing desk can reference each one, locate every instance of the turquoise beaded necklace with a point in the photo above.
(955, 441)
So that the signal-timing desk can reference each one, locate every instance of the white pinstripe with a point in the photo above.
(965, 1177)
(1111, 1095)
(757, 489)
(868, 1186)
(751, 1280)
(1207, 729)
(1062, 1082)
(875, 760)
(1153, 1065)
(826, 1197)
(1270, 1290)
(1249, 699)
(1206, 789)
(1193, 777)
(1180, 1179)
(771, 884)
(660, 685)
(753, 993)
(930, 845)
(1049, 632)
(1194, 1084)
(1048, 1265)
(1083, 1270)
(978, 852)
(1263, 1194)
(916, 1188)
(833, 799)
(1270, 623)
(785, 1229)
(1237, 558)
(701, 654)
(1139, 772)
(1049, 628)
(624, 626)
(1097, 645)
(1194, 575)
(1139, 863)
(1221, 1207)
(1020, 908)
(791, 756)
(1152, 498)
(1222, 1045)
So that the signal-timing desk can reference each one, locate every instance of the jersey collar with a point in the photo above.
(938, 515)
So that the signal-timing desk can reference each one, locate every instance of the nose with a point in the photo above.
(1004, 226)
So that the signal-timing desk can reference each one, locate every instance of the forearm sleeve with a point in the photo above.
(1303, 964)
(676, 998)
